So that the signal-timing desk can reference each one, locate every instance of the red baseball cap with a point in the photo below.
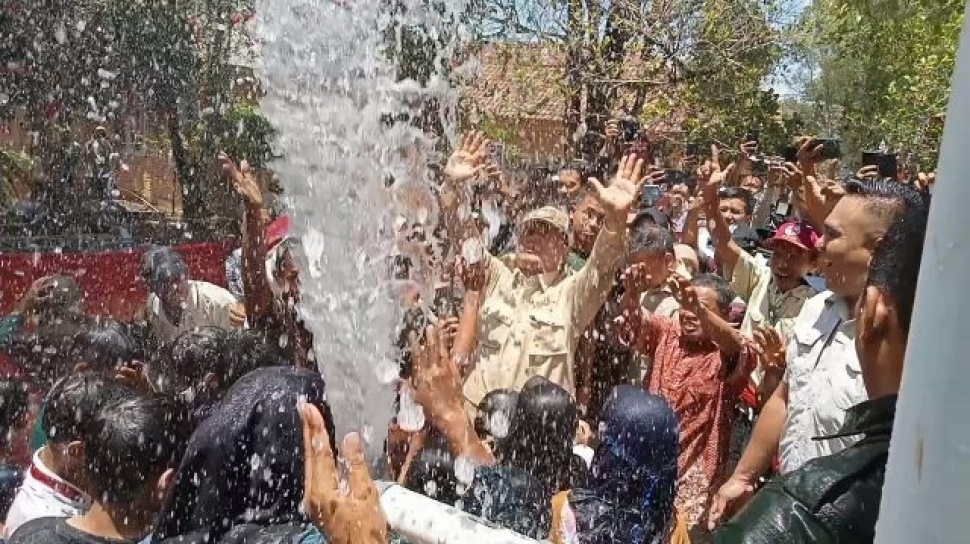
(799, 234)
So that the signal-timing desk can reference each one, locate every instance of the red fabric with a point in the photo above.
(693, 382)
(110, 280)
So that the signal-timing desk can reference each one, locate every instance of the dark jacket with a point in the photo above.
(832, 499)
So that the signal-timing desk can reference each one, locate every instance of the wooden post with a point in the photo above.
(926, 498)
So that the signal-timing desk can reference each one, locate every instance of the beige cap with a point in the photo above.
(548, 214)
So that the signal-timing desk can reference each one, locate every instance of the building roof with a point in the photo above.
(526, 81)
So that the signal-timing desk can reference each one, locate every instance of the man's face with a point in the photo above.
(175, 294)
(545, 242)
(570, 181)
(690, 324)
(752, 184)
(789, 264)
(587, 220)
(849, 236)
(734, 211)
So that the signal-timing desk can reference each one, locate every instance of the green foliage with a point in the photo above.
(241, 131)
(884, 69)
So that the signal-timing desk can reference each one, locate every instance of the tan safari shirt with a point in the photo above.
(530, 329)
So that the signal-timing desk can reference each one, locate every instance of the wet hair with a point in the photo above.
(161, 266)
(737, 193)
(44, 353)
(895, 265)
(720, 286)
(541, 435)
(73, 403)
(103, 347)
(432, 472)
(496, 409)
(185, 361)
(651, 216)
(13, 407)
(138, 438)
(648, 238)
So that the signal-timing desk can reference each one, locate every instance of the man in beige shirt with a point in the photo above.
(530, 325)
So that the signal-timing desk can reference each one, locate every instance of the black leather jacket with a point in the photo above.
(832, 499)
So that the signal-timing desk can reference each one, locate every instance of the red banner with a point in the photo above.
(110, 280)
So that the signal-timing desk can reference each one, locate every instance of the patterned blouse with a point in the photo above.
(694, 380)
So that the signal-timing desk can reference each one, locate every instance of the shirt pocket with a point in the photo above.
(496, 327)
(549, 345)
(801, 355)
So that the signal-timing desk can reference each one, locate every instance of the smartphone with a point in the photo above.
(752, 136)
(629, 129)
(650, 195)
(831, 148)
(790, 154)
(888, 166)
(445, 303)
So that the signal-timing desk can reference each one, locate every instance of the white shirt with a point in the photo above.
(207, 305)
(824, 380)
(39, 497)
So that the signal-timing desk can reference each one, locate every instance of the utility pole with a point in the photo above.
(926, 497)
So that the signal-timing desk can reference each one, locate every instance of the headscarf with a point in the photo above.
(632, 483)
(244, 464)
(535, 461)
(540, 439)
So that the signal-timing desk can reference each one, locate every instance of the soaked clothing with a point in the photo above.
(44, 494)
(694, 380)
(207, 305)
(630, 494)
(530, 329)
(835, 498)
(58, 531)
(511, 498)
(766, 305)
(244, 464)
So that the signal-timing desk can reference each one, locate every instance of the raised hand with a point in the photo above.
(714, 183)
(619, 197)
(242, 179)
(354, 516)
(435, 378)
(684, 292)
(808, 151)
(771, 347)
(469, 158)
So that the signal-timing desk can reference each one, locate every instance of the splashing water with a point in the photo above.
(330, 91)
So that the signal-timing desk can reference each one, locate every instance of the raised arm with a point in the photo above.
(258, 295)
(594, 281)
(726, 251)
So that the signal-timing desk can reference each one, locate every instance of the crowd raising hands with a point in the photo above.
(638, 346)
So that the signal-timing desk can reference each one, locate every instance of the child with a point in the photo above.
(700, 365)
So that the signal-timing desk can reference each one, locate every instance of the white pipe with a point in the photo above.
(422, 520)
(926, 497)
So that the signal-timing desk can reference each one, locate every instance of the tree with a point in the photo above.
(701, 60)
(98, 60)
(879, 71)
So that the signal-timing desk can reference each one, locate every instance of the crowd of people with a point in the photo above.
(613, 351)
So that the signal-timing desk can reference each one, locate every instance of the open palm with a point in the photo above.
(619, 197)
(469, 158)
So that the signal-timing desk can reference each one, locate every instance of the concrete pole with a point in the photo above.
(926, 498)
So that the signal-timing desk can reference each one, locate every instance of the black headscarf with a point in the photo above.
(535, 461)
(243, 469)
(630, 495)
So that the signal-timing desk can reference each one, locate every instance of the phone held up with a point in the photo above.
(886, 163)
(831, 149)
